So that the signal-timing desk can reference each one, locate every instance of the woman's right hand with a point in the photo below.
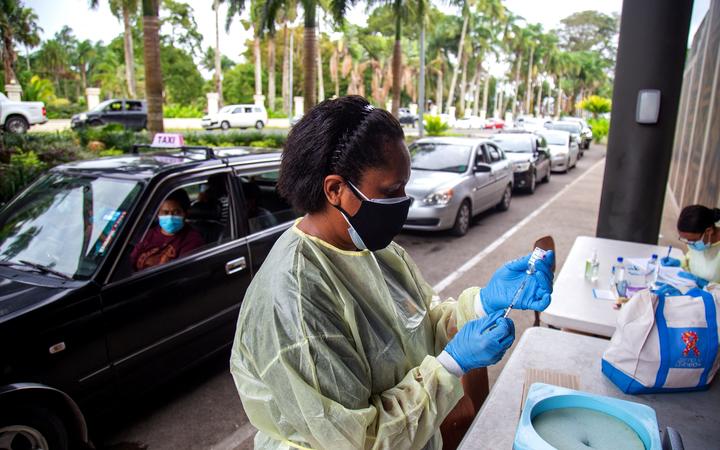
(482, 342)
(669, 261)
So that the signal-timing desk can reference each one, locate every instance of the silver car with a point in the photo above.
(454, 179)
(563, 149)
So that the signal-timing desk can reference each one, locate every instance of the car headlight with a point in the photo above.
(82, 116)
(439, 198)
(521, 166)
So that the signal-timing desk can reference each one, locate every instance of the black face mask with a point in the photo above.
(377, 221)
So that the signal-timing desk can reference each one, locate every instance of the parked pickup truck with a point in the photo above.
(17, 117)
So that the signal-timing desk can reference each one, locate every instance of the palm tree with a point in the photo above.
(236, 7)
(422, 18)
(533, 34)
(466, 5)
(125, 10)
(84, 52)
(153, 70)
(217, 77)
(17, 25)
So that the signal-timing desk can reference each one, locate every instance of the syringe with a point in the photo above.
(538, 253)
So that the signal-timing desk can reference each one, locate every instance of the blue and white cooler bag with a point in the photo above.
(665, 343)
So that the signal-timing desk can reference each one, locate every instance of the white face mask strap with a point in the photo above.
(365, 197)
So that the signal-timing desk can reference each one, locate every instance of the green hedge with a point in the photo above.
(600, 129)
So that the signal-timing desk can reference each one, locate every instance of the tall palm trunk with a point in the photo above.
(321, 82)
(538, 101)
(463, 85)
(258, 62)
(286, 69)
(486, 91)
(271, 71)
(397, 61)
(218, 55)
(518, 63)
(453, 82)
(439, 90)
(83, 76)
(153, 70)
(129, 52)
(309, 55)
(8, 55)
(421, 80)
(529, 90)
(558, 104)
(476, 85)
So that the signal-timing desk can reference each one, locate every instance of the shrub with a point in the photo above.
(276, 115)
(174, 111)
(595, 105)
(23, 168)
(434, 125)
(110, 152)
(61, 108)
(235, 138)
(600, 128)
(112, 136)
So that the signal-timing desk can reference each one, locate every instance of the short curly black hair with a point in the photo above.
(343, 136)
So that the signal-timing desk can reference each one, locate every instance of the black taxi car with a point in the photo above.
(80, 326)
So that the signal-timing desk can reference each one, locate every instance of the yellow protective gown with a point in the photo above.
(705, 264)
(336, 349)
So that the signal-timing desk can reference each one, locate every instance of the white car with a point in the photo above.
(469, 123)
(17, 117)
(530, 123)
(563, 149)
(237, 116)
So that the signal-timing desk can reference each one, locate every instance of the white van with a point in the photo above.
(237, 116)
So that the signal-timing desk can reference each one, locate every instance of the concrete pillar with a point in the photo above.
(651, 55)
(259, 99)
(413, 108)
(434, 110)
(299, 106)
(213, 102)
(14, 92)
(451, 113)
(92, 96)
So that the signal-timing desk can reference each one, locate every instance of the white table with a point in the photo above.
(695, 415)
(573, 305)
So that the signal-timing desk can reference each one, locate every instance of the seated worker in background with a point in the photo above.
(170, 238)
(258, 218)
(698, 228)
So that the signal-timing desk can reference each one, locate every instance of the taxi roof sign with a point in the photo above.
(168, 140)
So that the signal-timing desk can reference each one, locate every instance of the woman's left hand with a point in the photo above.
(498, 294)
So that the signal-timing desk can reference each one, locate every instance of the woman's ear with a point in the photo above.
(333, 186)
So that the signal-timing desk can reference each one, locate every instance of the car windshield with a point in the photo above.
(569, 127)
(102, 105)
(65, 223)
(513, 143)
(440, 157)
(555, 139)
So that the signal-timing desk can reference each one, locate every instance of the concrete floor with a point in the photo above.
(201, 410)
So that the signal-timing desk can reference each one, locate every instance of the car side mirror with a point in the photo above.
(482, 167)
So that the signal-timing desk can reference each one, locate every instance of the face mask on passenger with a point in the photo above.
(377, 221)
(171, 224)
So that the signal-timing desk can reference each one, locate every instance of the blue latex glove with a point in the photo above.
(498, 294)
(701, 282)
(669, 261)
(666, 290)
(482, 342)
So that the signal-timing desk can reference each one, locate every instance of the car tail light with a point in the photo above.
(44, 112)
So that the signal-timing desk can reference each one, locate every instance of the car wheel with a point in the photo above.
(32, 428)
(533, 183)
(95, 123)
(546, 179)
(259, 125)
(504, 204)
(567, 165)
(16, 124)
(225, 125)
(462, 220)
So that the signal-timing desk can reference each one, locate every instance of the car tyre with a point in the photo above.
(532, 184)
(16, 124)
(462, 220)
(225, 125)
(95, 123)
(504, 204)
(259, 124)
(546, 179)
(33, 427)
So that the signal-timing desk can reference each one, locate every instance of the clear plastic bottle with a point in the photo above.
(592, 267)
(652, 271)
(617, 277)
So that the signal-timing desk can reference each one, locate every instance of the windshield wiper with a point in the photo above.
(45, 269)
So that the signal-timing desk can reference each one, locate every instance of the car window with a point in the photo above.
(238, 110)
(439, 156)
(514, 143)
(114, 106)
(66, 222)
(133, 106)
(190, 218)
(482, 157)
(248, 109)
(257, 109)
(494, 154)
(264, 208)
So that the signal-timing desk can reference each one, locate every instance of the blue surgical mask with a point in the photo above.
(700, 245)
(171, 224)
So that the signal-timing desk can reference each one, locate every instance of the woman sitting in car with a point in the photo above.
(170, 238)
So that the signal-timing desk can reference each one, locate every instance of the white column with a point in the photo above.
(92, 96)
(213, 102)
(451, 113)
(259, 99)
(413, 108)
(299, 106)
(14, 92)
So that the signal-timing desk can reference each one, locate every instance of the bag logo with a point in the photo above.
(690, 339)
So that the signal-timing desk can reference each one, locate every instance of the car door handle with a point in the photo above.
(236, 265)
